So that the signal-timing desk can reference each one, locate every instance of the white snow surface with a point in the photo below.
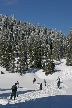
(29, 94)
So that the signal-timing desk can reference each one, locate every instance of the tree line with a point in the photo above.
(24, 45)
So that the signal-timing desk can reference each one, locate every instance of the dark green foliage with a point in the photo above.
(48, 67)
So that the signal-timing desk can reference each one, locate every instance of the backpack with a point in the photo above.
(13, 88)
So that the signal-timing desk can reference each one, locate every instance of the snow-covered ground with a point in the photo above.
(29, 95)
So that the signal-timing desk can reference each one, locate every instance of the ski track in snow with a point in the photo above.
(49, 90)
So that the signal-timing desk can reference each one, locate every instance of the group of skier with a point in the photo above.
(16, 86)
(58, 82)
(34, 80)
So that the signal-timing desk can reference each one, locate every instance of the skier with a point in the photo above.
(14, 91)
(41, 86)
(34, 80)
(17, 84)
(58, 83)
(45, 82)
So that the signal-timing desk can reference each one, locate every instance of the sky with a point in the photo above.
(29, 93)
(51, 13)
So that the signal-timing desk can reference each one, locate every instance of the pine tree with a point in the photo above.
(48, 67)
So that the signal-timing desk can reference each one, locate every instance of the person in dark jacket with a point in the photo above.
(58, 83)
(41, 86)
(34, 80)
(14, 91)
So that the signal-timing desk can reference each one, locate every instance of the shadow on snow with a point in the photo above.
(5, 95)
(32, 70)
(59, 101)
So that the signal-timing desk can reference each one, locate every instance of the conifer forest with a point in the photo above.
(24, 45)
